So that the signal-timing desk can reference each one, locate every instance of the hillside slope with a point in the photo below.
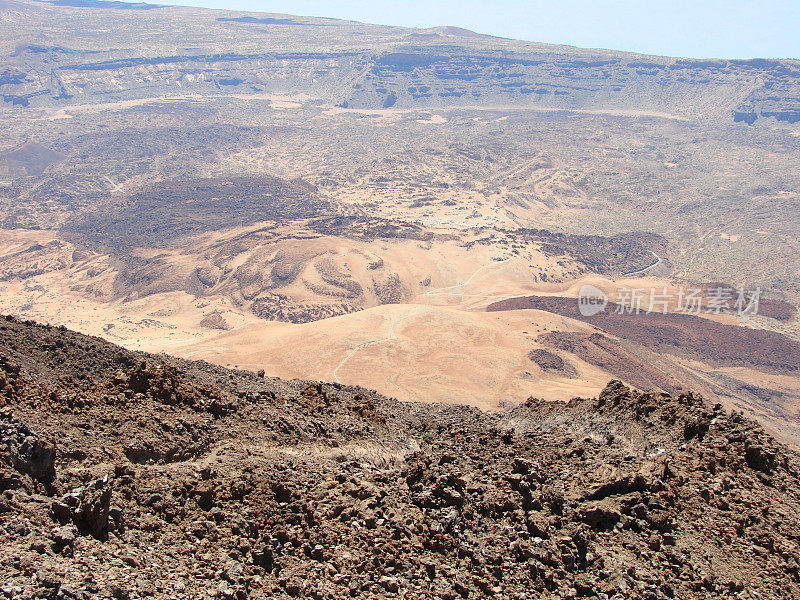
(127, 475)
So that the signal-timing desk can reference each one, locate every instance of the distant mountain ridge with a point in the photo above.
(57, 54)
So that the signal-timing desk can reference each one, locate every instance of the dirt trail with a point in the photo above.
(442, 290)
(391, 336)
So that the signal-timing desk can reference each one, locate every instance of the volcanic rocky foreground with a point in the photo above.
(129, 475)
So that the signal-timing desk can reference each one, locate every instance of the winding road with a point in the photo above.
(640, 271)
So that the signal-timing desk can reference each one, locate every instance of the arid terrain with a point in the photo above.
(294, 307)
(351, 203)
(127, 475)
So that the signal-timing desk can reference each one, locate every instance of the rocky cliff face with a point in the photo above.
(126, 475)
(177, 51)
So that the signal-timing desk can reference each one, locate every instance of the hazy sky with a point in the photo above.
(693, 28)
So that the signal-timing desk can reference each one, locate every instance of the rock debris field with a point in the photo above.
(126, 475)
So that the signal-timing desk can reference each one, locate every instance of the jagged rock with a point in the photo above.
(27, 452)
(614, 390)
(600, 515)
(65, 536)
(761, 458)
(264, 558)
(87, 506)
